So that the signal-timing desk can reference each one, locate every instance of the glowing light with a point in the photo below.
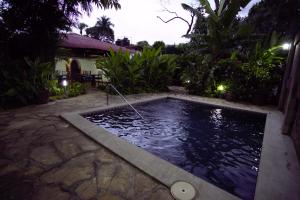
(286, 46)
(221, 88)
(65, 83)
(187, 81)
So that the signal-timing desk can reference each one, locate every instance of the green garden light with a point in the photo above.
(221, 88)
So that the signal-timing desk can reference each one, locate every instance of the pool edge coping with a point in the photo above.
(168, 173)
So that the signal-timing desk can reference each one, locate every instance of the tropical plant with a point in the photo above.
(81, 27)
(25, 86)
(75, 89)
(102, 30)
(147, 71)
(263, 67)
(57, 91)
(220, 29)
(32, 29)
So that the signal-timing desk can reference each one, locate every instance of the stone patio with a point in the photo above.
(43, 157)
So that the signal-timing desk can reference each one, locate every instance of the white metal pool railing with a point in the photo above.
(115, 89)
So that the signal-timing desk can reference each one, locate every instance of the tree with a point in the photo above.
(125, 42)
(275, 15)
(28, 23)
(102, 30)
(81, 27)
(159, 44)
(32, 29)
(217, 33)
(189, 23)
(143, 44)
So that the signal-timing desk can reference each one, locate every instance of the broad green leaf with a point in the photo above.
(209, 10)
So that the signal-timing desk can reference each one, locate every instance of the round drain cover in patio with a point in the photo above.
(183, 191)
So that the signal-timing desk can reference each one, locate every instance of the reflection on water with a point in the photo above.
(216, 117)
(219, 145)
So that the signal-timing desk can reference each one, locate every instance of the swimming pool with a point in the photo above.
(218, 144)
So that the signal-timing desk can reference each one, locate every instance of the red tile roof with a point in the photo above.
(73, 40)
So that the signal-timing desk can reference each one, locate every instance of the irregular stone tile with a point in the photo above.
(68, 176)
(86, 144)
(125, 170)
(45, 155)
(75, 170)
(119, 185)
(34, 126)
(51, 193)
(104, 156)
(109, 196)
(16, 152)
(106, 170)
(143, 183)
(61, 125)
(87, 190)
(67, 148)
(32, 170)
(55, 135)
(9, 169)
(161, 194)
(8, 133)
(115, 177)
(18, 124)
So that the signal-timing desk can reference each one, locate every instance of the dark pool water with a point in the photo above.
(219, 145)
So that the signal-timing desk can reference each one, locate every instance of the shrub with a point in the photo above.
(72, 90)
(75, 89)
(147, 71)
(23, 81)
(259, 73)
(55, 89)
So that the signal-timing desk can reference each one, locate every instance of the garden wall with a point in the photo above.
(290, 95)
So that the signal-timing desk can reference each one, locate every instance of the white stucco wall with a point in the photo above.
(86, 64)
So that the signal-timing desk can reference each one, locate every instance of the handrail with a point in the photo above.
(113, 87)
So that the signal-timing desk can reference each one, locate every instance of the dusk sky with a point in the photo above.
(137, 20)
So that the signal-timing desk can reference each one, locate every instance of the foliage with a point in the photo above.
(258, 73)
(143, 44)
(125, 42)
(147, 71)
(219, 32)
(81, 27)
(72, 90)
(263, 67)
(275, 15)
(224, 53)
(159, 44)
(75, 89)
(197, 73)
(26, 84)
(102, 30)
(55, 89)
(32, 29)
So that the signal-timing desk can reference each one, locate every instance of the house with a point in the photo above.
(77, 55)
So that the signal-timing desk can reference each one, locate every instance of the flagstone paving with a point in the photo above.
(43, 157)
